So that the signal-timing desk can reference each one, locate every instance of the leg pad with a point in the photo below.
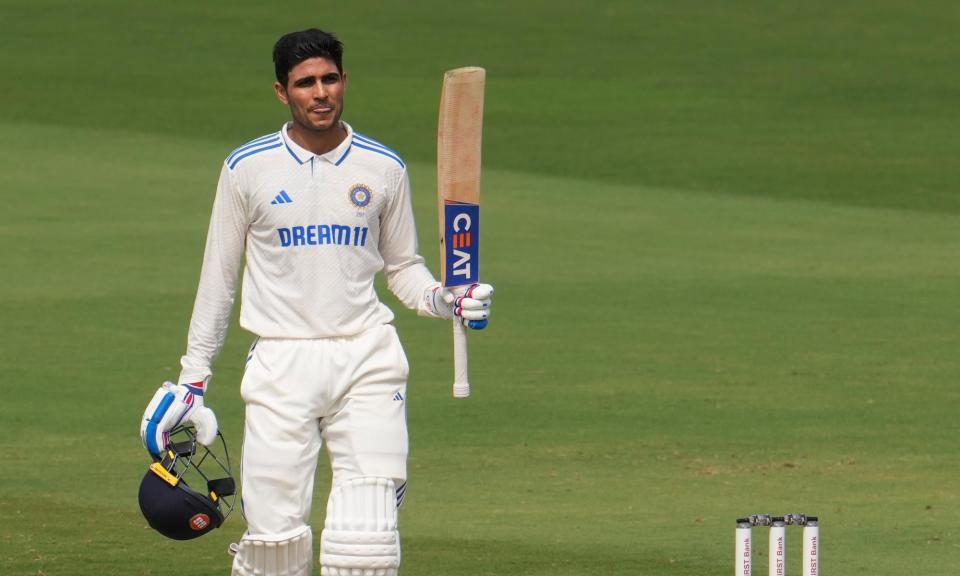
(289, 554)
(360, 535)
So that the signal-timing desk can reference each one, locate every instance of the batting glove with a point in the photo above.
(173, 404)
(472, 306)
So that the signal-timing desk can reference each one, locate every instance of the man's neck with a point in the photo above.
(317, 142)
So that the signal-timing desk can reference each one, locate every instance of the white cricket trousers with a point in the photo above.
(347, 392)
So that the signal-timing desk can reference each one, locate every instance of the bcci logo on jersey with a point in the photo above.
(360, 195)
(460, 239)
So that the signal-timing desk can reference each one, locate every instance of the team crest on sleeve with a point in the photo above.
(360, 195)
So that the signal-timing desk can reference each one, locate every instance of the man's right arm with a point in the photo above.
(172, 403)
(222, 260)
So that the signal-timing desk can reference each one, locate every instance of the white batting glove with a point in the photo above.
(472, 307)
(172, 405)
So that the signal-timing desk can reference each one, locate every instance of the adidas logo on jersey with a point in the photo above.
(282, 198)
(398, 397)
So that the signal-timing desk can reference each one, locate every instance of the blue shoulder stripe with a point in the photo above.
(262, 140)
(360, 144)
(257, 140)
(263, 148)
(368, 140)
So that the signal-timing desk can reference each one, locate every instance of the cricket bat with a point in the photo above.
(459, 134)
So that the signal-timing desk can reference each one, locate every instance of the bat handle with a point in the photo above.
(461, 383)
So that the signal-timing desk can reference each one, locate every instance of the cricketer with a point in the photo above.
(311, 213)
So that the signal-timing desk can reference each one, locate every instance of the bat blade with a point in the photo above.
(459, 139)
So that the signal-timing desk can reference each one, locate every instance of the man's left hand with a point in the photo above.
(472, 307)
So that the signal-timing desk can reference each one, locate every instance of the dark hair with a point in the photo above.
(295, 47)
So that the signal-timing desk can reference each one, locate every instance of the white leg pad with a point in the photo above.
(360, 535)
(289, 554)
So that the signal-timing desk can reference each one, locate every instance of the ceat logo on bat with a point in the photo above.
(461, 235)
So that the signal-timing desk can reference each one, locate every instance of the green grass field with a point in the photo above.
(724, 237)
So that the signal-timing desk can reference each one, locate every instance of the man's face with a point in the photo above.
(314, 93)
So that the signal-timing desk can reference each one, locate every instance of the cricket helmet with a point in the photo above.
(190, 490)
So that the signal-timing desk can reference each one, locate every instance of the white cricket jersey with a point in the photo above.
(315, 231)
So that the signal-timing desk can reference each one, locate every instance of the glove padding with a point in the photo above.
(472, 307)
(173, 404)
